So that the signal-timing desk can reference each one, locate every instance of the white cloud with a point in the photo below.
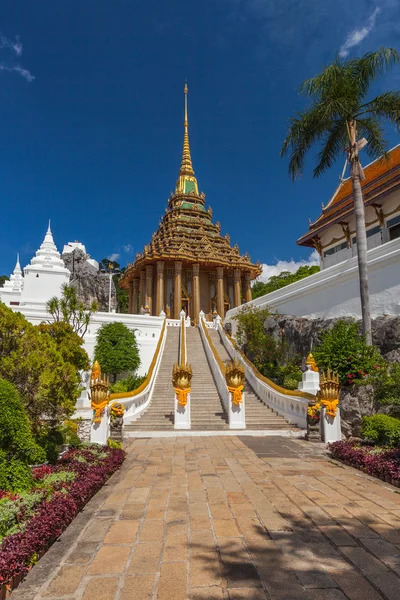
(114, 256)
(288, 265)
(356, 36)
(16, 48)
(128, 248)
(23, 72)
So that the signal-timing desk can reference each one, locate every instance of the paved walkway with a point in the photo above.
(210, 518)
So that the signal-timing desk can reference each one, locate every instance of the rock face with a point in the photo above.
(90, 284)
(302, 335)
(355, 403)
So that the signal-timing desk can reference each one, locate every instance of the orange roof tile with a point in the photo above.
(379, 177)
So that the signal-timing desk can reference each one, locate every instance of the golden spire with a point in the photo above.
(186, 180)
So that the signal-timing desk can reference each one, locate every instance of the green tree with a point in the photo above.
(339, 113)
(68, 343)
(18, 449)
(69, 309)
(345, 351)
(283, 279)
(262, 349)
(116, 349)
(48, 385)
(3, 278)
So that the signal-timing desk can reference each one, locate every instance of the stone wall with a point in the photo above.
(302, 335)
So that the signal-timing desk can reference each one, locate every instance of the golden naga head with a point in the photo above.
(328, 394)
(329, 386)
(99, 391)
(181, 376)
(234, 373)
(310, 362)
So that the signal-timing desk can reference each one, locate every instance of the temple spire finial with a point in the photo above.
(186, 172)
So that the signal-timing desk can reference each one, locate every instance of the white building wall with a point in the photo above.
(334, 292)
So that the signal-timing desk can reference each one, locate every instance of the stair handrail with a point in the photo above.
(234, 406)
(137, 400)
(181, 381)
(291, 404)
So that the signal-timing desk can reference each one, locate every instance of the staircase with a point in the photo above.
(159, 416)
(207, 412)
(258, 415)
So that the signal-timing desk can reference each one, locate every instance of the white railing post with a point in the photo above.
(182, 373)
(235, 412)
(100, 431)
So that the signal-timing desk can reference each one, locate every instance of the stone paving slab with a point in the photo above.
(227, 518)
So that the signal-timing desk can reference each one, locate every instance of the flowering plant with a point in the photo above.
(64, 489)
(380, 462)
(314, 411)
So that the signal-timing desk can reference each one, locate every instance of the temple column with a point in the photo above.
(220, 292)
(247, 287)
(237, 278)
(160, 287)
(196, 292)
(142, 289)
(135, 296)
(130, 297)
(178, 289)
(149, 288)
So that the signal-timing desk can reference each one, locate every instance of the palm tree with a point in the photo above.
(341, 119)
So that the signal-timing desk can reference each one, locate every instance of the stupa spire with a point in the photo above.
(187, 182)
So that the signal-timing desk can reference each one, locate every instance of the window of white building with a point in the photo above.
(335, 249)
(393, 226)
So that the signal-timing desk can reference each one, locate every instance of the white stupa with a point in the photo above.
(11, 291)
(45, 275)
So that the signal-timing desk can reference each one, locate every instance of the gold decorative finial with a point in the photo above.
(187, 182)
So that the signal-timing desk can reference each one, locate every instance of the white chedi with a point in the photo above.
(45, 275)
(16, 281)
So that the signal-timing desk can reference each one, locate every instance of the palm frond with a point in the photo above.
(335, 142)
(304, 130)
(385, 106)
(371, 129)
(370, 66)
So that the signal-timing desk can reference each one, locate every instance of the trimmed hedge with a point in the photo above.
(381, 430)
(18, 448)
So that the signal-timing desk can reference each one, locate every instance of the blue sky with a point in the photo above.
(91, 110)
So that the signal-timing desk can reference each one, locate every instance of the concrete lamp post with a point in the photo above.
(111, 271)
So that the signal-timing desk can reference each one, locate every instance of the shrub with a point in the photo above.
(382, 430)
(387, 387)
(127, 385)
(114, 444)
(262, 349)
(18, 449)
(291, 375)
(342, 349)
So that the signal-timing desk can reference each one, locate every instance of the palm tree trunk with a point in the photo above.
(361, 251)
(361, 234)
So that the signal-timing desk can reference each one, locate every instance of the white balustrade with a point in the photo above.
(235, 412)
(292, 407)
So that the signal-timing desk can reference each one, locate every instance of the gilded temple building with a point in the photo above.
(188, 264)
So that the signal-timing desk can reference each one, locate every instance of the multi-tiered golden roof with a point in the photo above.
(188, 264)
